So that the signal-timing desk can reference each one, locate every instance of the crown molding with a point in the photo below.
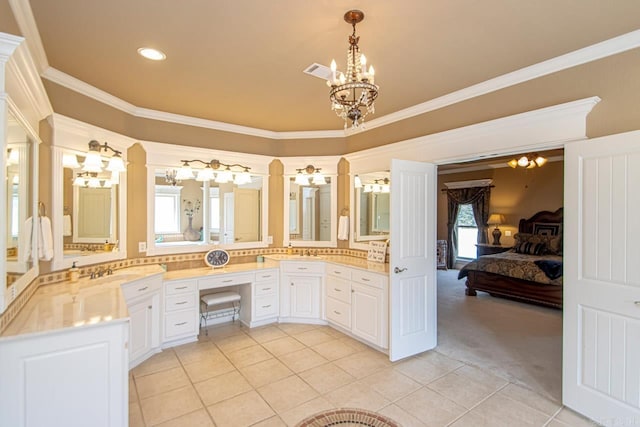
(23, 73)
(75, 135)
(328, 164)
(8, 44)
(549, 127)
(591, 53)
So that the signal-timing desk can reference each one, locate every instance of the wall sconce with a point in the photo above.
(93, 160)
(496, 219)
(310, 172)
(91, 180)
(378, 186)
(528, 161)
(225, 175)
(13, 157)
(70, 161)
(357, 182)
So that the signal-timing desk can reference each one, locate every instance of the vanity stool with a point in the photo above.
(218, 304)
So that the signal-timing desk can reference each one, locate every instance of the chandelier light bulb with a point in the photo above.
(363, 61)
(540, 161)
(523, 161)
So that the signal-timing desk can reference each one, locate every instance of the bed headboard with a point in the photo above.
(526, 225)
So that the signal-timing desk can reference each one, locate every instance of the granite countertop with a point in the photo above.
(84, 303)
(349, 261)
(230, 268)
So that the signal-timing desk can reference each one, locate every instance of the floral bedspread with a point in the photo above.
(513, 264)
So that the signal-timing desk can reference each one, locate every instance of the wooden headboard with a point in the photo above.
(526, 225)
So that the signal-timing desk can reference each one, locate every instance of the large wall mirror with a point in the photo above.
(371, 201)
(193, 204)
(20, 213)
(89, 199)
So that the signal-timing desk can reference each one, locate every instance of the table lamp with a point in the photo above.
(496, 219)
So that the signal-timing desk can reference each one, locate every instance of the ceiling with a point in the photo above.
(241, 61)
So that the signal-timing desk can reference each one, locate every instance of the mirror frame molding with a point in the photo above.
(164, 156)
(73, 136)
(329, 166)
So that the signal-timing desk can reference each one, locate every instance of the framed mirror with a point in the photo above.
(372, 203)
(88, 203)
(21, 216)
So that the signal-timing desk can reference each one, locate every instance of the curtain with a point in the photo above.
(478, 197)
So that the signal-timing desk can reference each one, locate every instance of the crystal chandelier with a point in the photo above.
(353, 93)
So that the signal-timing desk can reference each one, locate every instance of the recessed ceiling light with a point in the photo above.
(153, 54)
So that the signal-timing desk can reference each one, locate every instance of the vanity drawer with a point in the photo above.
(266, 275)
(367, 278)
(265, 288)
(141, 288)
(339, 289)
(302, 267)
(179, 302)
(180, 323)
(339, 271)
(339, 312)
(225, 280)
(180, 287)
(265, 306)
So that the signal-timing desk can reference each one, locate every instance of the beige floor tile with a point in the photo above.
(248, 356)
(135, 415)
(333, 332)
(501, 410)
(287, 393)
(161, 382)
(208, 368)
(430, 408)
(243, 410)
(357, 395)
(169, 405)
(530, 398)
(355, 343)
(462, 389)
(158, 362)
(361, 364)
(471, 419)
(266, 372)
(217, 332)
(440, 360)
(326, 377)
(302, 360)
(334, 349)
(235, 342)
(266, 333)
(401, 416)
(391, 384)
(283, 346)
(313, 337)
(222, 387)
(556, 423)
(199, 418)
(482, 376)
(133, 392)
(420, 370)
(274, 421)
(296, 328)
(194, 352)
(574, 419)
(299, 413)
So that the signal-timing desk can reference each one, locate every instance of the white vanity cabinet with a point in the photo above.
(357, 301)
(260, 301)
(301, 291)
(181, 312)
(143, 303)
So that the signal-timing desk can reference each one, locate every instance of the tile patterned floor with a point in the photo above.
(280, 374)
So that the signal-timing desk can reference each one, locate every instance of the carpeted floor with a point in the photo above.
(520, 342)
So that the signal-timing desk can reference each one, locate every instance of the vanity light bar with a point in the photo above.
(210, 172)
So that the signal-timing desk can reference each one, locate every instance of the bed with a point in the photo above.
(531, 271)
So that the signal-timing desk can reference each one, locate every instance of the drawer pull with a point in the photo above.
(181, 287)
(266, 277)
(302, 268)
(227, 281)
(364, 279)
(143, 289)
(337, 312)
(180, 324)
(266, 289)
(337, 272)
(266, 306)
(181, 302)
(337, 290)
(150, 307)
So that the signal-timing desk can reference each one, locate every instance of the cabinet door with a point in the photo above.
(305, 297)
(144, 326)
(366, 312)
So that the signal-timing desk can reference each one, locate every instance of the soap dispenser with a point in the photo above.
(74, 273)
(289, 249)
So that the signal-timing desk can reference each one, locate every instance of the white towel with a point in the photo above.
(24, 245)
(66, 225)
(45, 239)
(343, 228)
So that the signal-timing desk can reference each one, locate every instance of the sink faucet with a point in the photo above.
(98, 273)
(307, 252)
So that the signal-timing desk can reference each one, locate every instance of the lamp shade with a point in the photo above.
(92, 162)
(496, 219)
(116, 164)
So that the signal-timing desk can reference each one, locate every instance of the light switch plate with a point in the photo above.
(142, 246)
(507, 233)
(270, 240)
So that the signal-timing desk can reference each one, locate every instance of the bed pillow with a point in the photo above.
(553, 244)
(548, 228)
(529, 248)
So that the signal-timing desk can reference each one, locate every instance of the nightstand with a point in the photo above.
(487, 249)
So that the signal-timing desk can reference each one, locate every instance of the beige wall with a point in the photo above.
(517, 193)
(136, 200)
(8, 23)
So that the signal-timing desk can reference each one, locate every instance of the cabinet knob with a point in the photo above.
(637, 303)
(150, 307)
(352, 291)
(291, 283)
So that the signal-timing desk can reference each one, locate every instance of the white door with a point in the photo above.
(305, 297)
(366, 309)
(228, 235)
(413, 259)
(601, 346)
(247, 215)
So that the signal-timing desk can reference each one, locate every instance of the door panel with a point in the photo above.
(601, 347)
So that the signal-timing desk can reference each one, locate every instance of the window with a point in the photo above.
(467, 232)
(167, 209)
(214, 210)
